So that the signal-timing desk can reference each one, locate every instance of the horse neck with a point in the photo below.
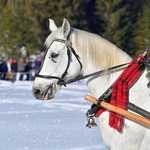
(96, 54)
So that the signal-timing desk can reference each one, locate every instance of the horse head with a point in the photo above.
(60, 63)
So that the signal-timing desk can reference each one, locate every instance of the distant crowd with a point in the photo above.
(22, 69)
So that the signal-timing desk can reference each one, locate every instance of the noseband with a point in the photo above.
(69, 51)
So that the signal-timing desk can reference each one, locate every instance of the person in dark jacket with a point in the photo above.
(28, 67)
(14, 68)
(3, 68)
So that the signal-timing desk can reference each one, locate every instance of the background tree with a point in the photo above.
(119, 21)
(126, 23)
(142, 37)
(16, 29)
(73, 10)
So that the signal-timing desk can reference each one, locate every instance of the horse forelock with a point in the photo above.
(51, 37)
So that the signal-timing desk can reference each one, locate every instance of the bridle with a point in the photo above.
(70, 50)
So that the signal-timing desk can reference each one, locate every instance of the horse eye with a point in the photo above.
(54, 55)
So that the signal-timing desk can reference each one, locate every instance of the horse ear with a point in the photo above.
(66, 27)
(52, 25)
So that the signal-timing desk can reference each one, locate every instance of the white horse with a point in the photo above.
(92, 53)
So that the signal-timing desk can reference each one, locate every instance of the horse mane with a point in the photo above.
(98, 49)
(95, 48)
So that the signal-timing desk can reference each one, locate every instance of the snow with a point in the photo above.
(58, 124)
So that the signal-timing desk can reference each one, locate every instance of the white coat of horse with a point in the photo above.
(95, 53)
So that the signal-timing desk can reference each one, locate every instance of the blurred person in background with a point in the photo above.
(9, 75)
(3, 68)
(21, 68)
(37, 64)
(14, 68)
(1, 75)
(28, 68)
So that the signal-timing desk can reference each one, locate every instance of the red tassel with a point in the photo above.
(120, 89)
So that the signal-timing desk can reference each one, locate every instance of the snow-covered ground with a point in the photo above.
(58, 124)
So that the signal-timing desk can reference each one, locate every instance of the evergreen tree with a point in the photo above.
(16, 30)
(142, 37)
(119, 19)
(73, 11)
(25, 23)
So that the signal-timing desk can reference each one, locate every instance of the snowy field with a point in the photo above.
(58, 124)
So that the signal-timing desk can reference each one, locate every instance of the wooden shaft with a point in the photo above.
(120, 111)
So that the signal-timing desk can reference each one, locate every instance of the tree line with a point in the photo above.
(126, 23)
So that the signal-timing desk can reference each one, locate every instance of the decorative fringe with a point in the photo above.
(120, 90)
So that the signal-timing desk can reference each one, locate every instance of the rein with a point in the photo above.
(95, 73)
(146, 63)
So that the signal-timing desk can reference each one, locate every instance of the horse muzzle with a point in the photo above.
(46, 94)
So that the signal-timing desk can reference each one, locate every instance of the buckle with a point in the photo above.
(68, 43)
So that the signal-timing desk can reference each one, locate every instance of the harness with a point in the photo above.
(70, 50)
(118, 94)
(123, 83)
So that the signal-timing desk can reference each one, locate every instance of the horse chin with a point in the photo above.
(50, 92)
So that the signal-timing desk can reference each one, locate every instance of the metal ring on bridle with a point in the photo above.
(68, 43)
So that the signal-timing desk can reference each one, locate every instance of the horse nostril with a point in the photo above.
(36, 91)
